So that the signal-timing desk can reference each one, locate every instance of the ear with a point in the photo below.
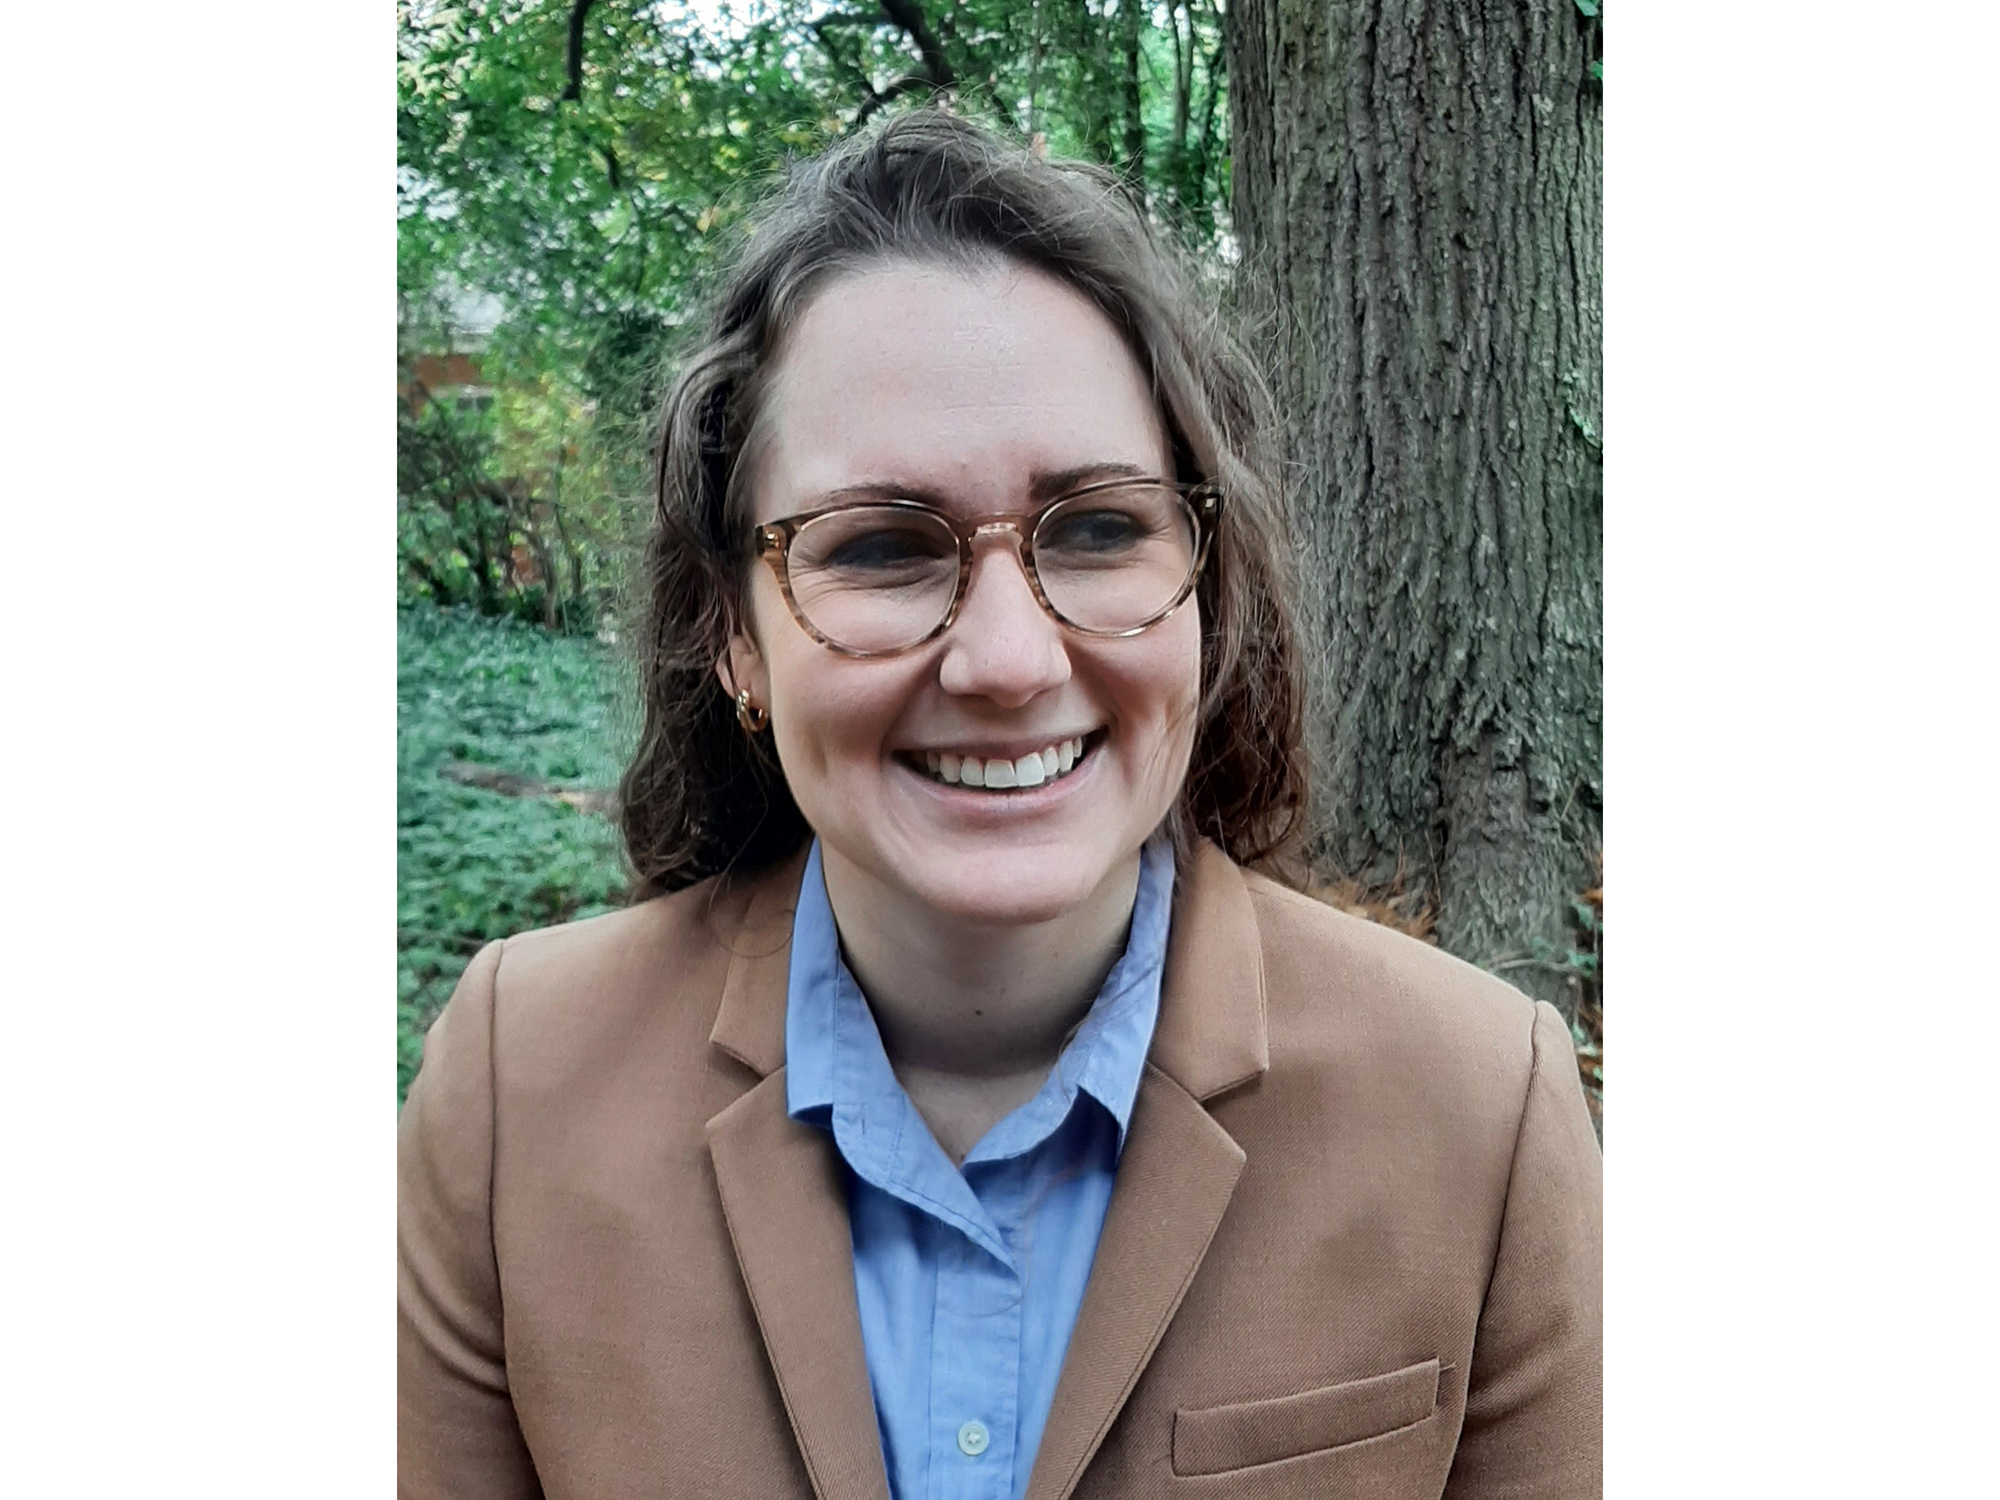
(740, 666)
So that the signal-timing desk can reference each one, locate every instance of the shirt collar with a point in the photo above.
(835, 1065)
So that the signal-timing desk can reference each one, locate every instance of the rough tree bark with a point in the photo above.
(1418, 193)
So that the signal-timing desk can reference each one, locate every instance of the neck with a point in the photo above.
(963, 1000)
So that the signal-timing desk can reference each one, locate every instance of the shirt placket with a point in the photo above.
(975, 1375)
(976, 1356)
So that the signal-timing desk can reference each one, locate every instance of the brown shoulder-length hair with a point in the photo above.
(700, 796)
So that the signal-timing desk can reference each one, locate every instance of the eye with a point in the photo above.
(877, 548)
(1102, 532)
(870, 547)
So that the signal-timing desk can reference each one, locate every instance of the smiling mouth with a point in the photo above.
(996, 774)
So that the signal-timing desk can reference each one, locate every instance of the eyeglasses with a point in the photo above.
(874, 579)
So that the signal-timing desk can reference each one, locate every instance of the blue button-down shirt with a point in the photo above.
(969, 1279)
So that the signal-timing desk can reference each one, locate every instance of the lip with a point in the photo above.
(976, 804)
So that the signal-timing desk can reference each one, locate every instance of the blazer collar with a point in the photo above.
(783, 1197)
(1211, 1033)
(750, 1024)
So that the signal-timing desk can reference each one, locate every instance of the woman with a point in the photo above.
(964, 1115)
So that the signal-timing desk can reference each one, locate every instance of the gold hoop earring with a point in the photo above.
(752, 718)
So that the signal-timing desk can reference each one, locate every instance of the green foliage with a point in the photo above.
(453, 529)
(472, 865)
(595, 211)
(497, 509)
(1593, 11)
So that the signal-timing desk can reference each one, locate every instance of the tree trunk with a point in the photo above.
(1135, 122)
(1183, 94)
(1418, 193)
(1214, 65)
(1094, 79)
(1035, 70)
(482, 557)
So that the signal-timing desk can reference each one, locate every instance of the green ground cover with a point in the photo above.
(472, 864)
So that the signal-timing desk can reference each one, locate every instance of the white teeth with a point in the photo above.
(1032, 769)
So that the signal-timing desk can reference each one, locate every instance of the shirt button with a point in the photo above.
(972, 1439)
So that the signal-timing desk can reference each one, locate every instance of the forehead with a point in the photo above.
(964, 383)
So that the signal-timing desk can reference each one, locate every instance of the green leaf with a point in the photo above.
(472, 864)
(1597, 71)
(1588, 7)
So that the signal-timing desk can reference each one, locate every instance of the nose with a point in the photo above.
(1003, 646)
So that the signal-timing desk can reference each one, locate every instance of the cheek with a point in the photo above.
(1159, 693)
(795, 666)
(764, 614)
(831, 716)
(1180, 669)
(828, 709)
(834, 718)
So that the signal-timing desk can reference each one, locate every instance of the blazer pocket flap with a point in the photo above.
(1215, 1439)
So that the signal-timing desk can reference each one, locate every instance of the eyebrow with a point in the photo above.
(1046, 485)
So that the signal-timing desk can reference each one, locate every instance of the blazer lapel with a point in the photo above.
(1211, 1036)
(1179, 1169)
(784, 1200)
(750, 1021)
(1178, 1173)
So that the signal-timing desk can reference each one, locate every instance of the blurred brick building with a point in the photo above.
(438, 350)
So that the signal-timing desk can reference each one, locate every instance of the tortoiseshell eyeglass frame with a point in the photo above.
(1203, 503)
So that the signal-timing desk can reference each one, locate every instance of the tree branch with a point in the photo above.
(907, 15)
(576, 14)
(853, 69)
(872, 98)
(895, 90)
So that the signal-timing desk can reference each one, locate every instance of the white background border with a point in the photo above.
(199, 865)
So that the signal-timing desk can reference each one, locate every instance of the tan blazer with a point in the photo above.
(1353, 1248)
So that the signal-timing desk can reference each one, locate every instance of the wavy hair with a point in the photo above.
(700, 797)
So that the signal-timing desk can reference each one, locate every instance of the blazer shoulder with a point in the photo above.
(1341, 982)
(582, 956)
(572, 1000)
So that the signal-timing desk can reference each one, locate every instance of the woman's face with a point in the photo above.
(976, 390)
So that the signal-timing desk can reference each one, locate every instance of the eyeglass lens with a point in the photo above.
(875, 578)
